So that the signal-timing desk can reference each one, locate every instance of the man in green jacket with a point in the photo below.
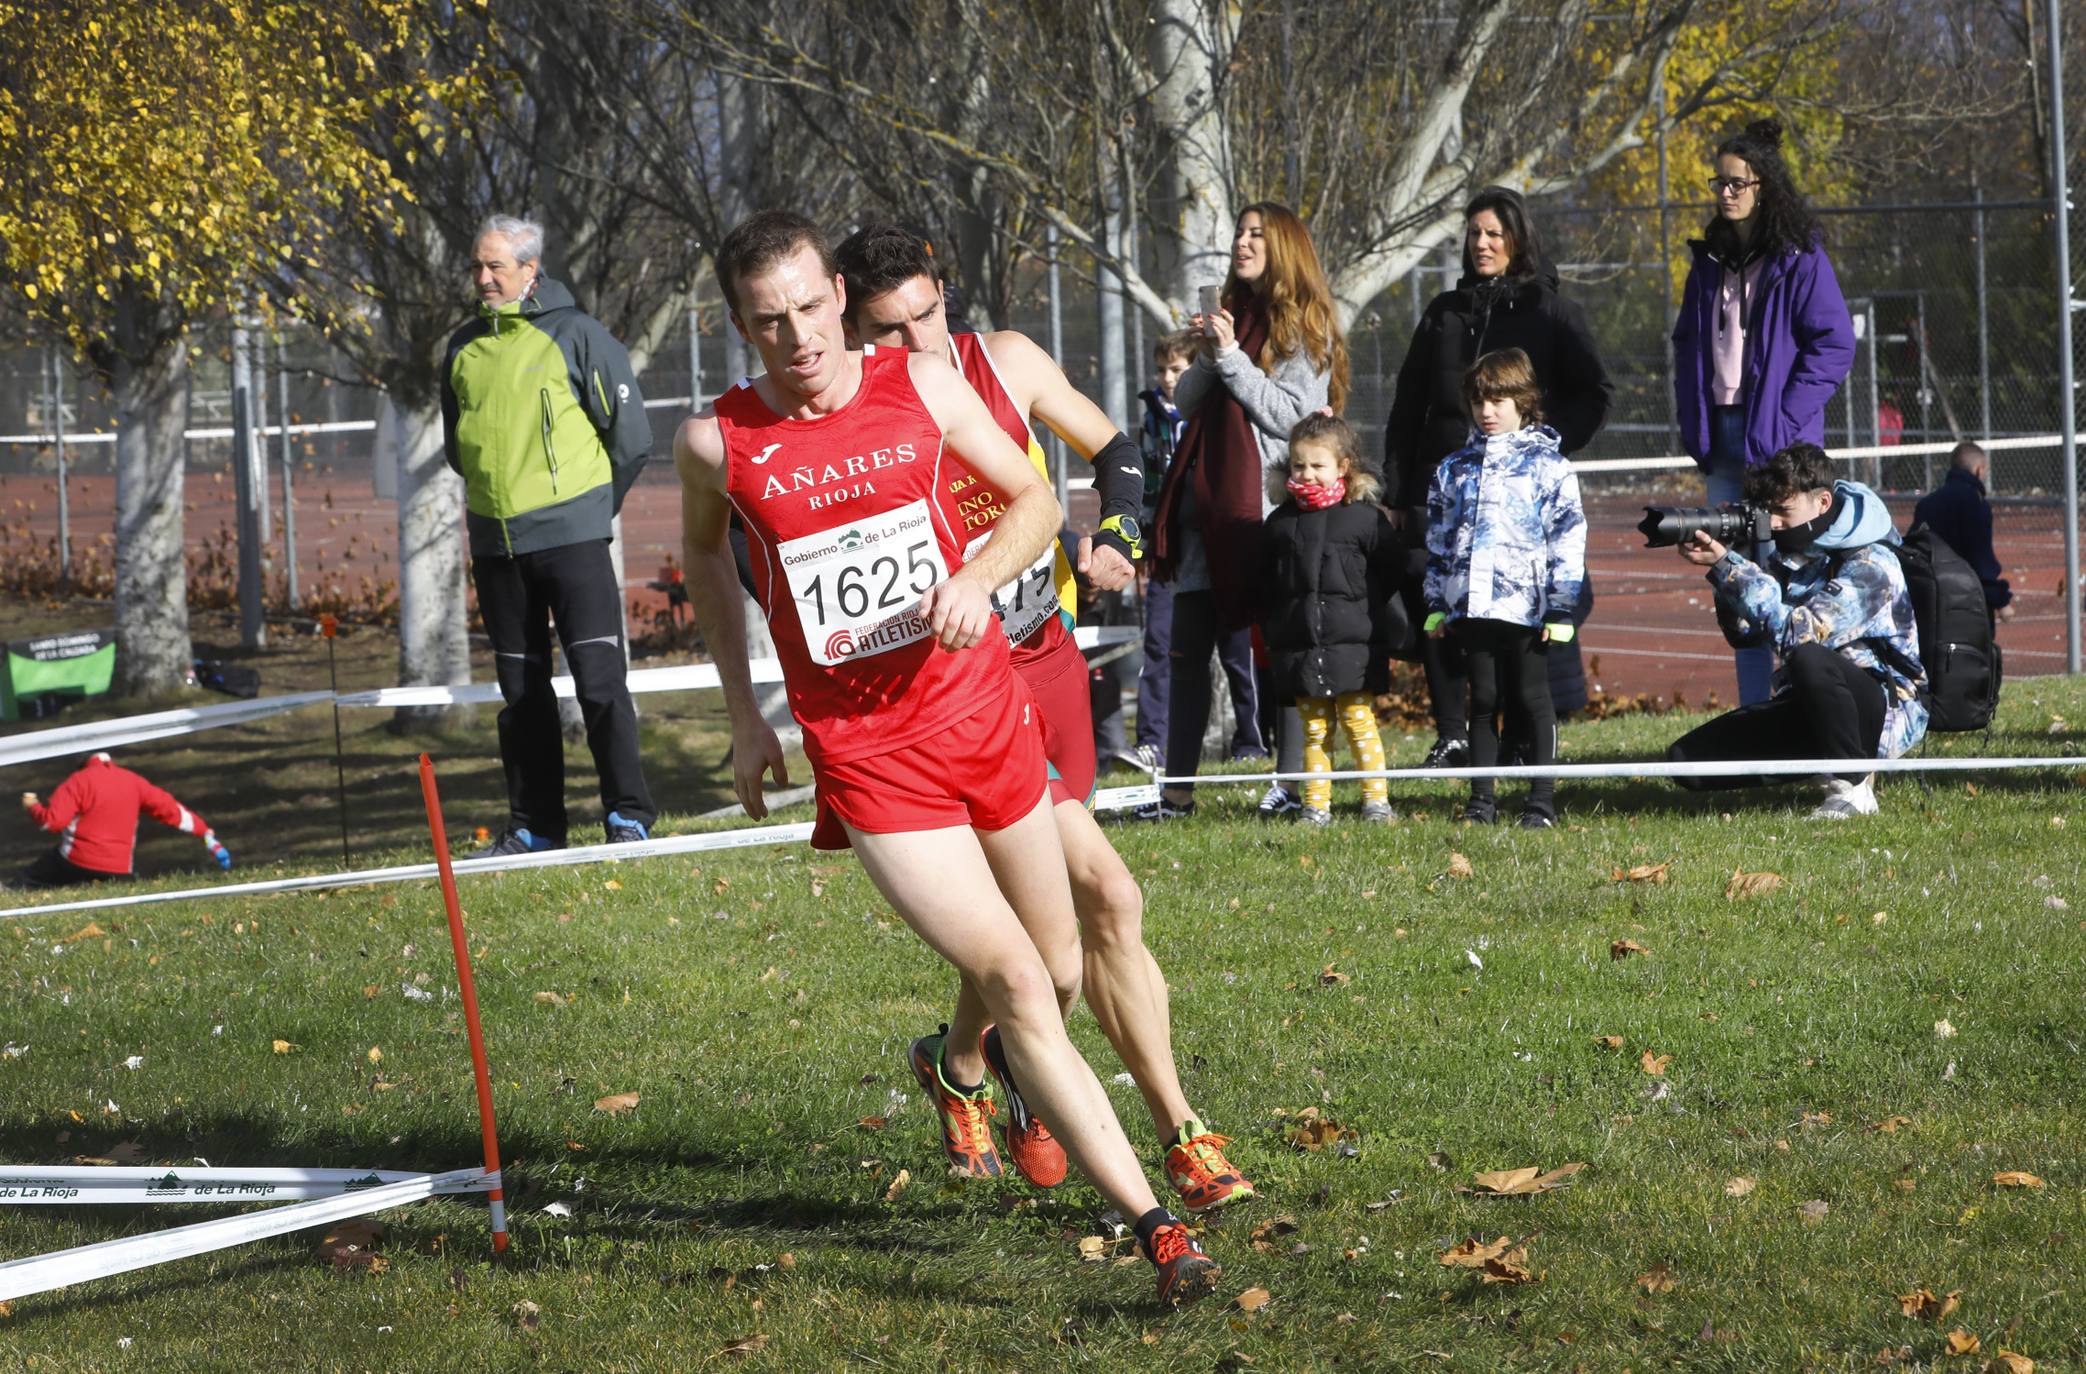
(543, 419)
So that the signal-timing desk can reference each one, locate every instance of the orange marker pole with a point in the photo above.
(479, 1067)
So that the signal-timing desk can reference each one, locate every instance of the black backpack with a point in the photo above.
(1955, 633)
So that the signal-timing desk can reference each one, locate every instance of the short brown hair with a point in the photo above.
(883, 257)
(1330, 430)
(1179, 344)
(1504, 374)
(761, 241)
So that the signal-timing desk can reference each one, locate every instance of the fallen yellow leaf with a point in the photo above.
(2014, 1178)
(1655, 1064)
(1623, 949)
(1745, 884)
(1889, 1125)
(1608, 1042)
(1738, 1187)
(615, 1104)
(1961, 1342)
(2009, 1362)
(1459, 866)
(1253, 1299)
(283, 1047)
(376, 1056)
(551, 999)
(613, 886)
(89, 931)
(1657, 1279)
(1642, 873)
(898, 1185)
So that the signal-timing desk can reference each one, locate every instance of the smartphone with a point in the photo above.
(1209, 299)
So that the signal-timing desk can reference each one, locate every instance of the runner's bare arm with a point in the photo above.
(960, 609)
(1041, 388)
(720, 611)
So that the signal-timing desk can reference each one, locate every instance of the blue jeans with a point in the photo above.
(1727, 479)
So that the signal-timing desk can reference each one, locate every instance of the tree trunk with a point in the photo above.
(153, 653)
(433, 635)
(1190, 45)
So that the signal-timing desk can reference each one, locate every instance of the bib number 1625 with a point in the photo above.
(883, 585)
(857, 588)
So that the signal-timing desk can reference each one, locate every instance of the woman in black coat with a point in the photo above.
(1507, 298)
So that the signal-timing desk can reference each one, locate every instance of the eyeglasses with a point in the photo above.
(1731, 186)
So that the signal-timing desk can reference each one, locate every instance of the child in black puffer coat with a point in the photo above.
(1329, 566)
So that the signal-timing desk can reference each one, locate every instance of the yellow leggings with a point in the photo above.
(1358, 720)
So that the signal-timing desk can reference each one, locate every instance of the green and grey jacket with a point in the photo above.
(542, 417)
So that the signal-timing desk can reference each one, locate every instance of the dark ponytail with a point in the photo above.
(1787, 224)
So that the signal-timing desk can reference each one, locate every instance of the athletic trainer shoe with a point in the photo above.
(1448, 753)
(966, 1117)
(621, 831)
(1149, 758)
(1196, 1166)
(1533, 819)
(1846, 799)
(1185, 1271)
(1279, 801)
(1036, 1153)
(1314, 815)
(1481, 811)
(1378, 813)
(1163, 810)
(515, 839)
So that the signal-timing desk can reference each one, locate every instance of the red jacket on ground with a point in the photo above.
(95, 812)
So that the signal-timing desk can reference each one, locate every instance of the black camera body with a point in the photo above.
(1734, 526)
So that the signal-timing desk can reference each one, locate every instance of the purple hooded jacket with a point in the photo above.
(1799, 346)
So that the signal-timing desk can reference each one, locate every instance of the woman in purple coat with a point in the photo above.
(1763, 339)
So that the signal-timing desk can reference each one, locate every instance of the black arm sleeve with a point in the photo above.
(1119, 482)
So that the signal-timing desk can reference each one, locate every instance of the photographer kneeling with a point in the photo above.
(1832, 602)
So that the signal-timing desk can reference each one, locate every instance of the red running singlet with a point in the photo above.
(846, 533)
(1036, 609)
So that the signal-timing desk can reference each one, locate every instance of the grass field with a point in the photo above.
(1813, 1143)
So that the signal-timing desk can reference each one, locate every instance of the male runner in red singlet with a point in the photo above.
(926, 748)
(894, 297)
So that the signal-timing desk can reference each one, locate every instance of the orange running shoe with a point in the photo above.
(966, 1118)
(1185, 1271)
(1036, 1152)
(1197, 1167)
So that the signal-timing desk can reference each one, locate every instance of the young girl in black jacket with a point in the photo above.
(1329, 564)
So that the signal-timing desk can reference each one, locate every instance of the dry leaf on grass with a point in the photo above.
(2015, 1178)
(1889, 1125)
(1521, 1182)
(376, 1055)
(1623, 949)
(1642, 873)
(527, 1315)
(284, 1047)
(551, 999)
(1459, 866)
(1745, 884)
(741, 1348)
(1608, 1042)
(1657, 1279)
(615, 1104)
(1943, 1030)
(1316, 1132)
(1331, 976)
(898, 1185)
(1654, 1064)
(1253, 1299)
(89, 931)
(613, 886)
(1737, 1187)
(1093, 1249)
(872, 1123)
(1271, 1230)
(1502, 1261)
(1813, 1211)
(2010, 1362)
(1921, 1304)
(1961, 1342)
(353, 1245)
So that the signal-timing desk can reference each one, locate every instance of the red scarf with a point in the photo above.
(1313, 496)
(1220, 454)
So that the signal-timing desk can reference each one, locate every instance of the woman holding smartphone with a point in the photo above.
(1763, 339)
(1270, 353)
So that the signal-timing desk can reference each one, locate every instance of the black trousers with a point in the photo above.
(53, 869)
(519, 598)
(1196, 632)
(1508, 659)
(1832, 710)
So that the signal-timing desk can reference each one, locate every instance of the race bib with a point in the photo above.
(857, 587)
(1026, 604)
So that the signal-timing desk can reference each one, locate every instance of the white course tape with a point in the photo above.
(114, 734)
(1656, 768)
(686, 677)
(78, 1184)
(748, 838)
(1843, 454)
(41, 1273)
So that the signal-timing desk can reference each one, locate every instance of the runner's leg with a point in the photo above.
(960, 891)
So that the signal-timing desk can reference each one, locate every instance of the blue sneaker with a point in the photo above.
(621, 831)
(516, 839)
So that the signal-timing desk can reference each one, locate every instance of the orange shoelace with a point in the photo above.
(1169, 1243)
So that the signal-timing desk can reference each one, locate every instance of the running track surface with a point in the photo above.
(1652, 631)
